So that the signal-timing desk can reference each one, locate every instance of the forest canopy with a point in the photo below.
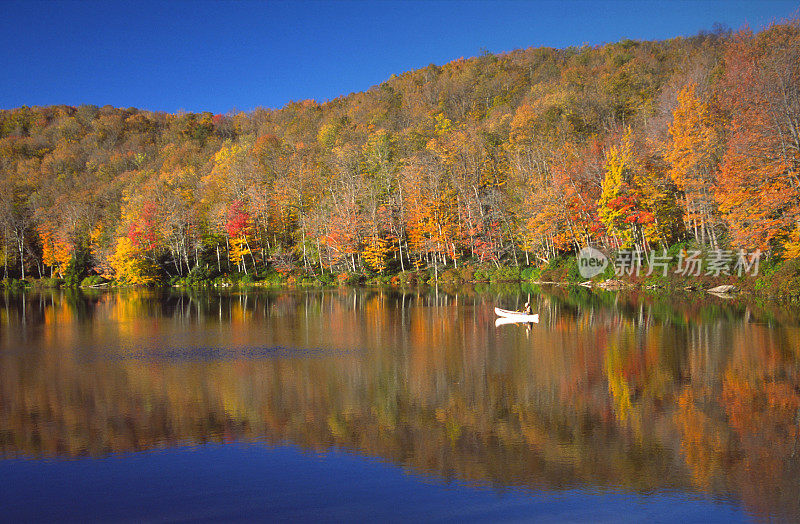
(510, 158)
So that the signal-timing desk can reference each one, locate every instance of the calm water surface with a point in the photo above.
(364, 404)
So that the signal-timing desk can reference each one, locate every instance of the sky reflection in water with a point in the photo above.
(613, 406)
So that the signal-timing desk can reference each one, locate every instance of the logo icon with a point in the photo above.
(591, 262)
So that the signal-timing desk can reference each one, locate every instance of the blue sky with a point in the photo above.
(216, 56)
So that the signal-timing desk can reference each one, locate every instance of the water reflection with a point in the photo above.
(607, 391)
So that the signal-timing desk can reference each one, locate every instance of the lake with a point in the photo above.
(360, 404)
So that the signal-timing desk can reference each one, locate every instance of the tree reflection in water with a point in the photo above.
(613, 392)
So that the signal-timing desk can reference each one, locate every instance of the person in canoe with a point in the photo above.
(527, 308)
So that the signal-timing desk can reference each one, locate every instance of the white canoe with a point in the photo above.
(516, 316)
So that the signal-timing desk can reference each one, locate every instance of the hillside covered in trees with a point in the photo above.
(510, 159)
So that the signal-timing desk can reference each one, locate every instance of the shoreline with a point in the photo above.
(721, 288)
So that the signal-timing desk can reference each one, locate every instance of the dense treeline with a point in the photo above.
(511, 159)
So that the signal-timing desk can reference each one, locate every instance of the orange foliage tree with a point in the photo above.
(693, 155)
(759, 181)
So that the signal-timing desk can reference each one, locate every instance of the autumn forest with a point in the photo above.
(501, 160)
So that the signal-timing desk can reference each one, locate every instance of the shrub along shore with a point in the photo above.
(774, 279)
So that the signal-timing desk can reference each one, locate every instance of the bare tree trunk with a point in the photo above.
(303, 240)
(703, 229)
(185, 248)
(228, 252)
(252, 258)
(400, 249)
(176, 259)
(20, 244)
(712, 233)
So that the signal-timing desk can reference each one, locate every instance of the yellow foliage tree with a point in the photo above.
(376, 249)
(637, 203)
(792, 245)
(130, 265)
(239, 248)
(619, 200)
